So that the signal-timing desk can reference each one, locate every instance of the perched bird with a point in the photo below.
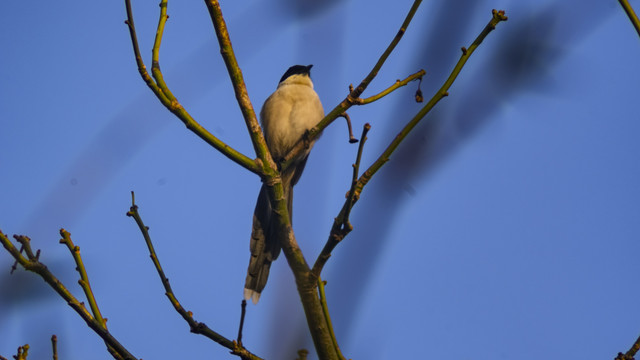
(286, 115)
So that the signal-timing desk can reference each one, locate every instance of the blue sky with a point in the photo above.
(505, 227)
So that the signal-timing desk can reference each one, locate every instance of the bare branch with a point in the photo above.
(390, 89)
(54, 346)
(84, 278)
(347, 118)
(631, 14)
(325, 309)
(341, 225)
(162, 92)
(629, 355)
(31, 263)
(337, 231)
(497, 17)
(239, 87)
(196, 327)
(351, 197)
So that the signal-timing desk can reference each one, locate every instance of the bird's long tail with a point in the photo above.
(265, 247)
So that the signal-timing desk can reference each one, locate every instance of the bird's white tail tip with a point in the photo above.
(251, 294)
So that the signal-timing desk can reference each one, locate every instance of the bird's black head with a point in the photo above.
(297, 70)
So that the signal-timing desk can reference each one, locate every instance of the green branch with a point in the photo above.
(325, 309)
(162, 92)
(629, 355)
(338, 232)
(390, 89)
(631, 14)
(31, 263)
(84, 278)
(239, 87)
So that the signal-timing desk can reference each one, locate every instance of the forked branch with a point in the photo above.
(196, 327)
(166, 97)
(33, 264)
(338, 232)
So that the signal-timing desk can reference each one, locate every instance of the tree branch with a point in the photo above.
(390, 89)
(196, 327)
(338, 232)
(31, 263)
(325, 309)
(54, 346)
(162, 92)
(239, 87)
(271, 177)
(84, 278)
(629, 355)
(631, 14)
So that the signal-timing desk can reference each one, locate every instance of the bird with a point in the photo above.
(287, 114)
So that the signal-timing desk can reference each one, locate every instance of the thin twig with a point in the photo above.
(351, 198)
(337, 232)
(631, 14)
(243, 311)
(325, 309)
(390, 89)
(352, 138)
(54, 345)
(341, 225)
(84, 283)
(84, 278)
(195, 326)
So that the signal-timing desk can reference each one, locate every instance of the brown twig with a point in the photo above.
(54, 345)
(243, 311)
(196, 327)
(352, 139)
